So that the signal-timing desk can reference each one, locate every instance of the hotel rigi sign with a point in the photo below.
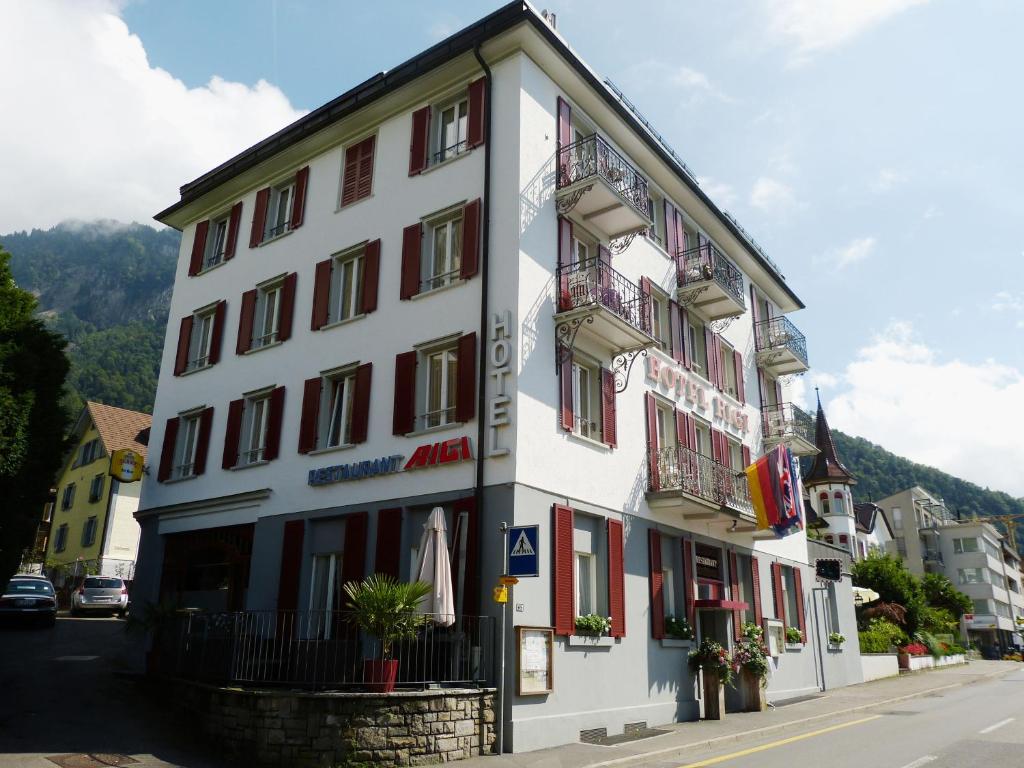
(683, 385)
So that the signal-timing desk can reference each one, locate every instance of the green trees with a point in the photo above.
(32, 420)
(893, 583)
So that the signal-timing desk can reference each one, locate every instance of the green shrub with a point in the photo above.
(880, 636)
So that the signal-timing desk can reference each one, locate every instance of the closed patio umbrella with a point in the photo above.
(435, 569)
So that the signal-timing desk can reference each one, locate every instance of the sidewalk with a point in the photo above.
(692, 735)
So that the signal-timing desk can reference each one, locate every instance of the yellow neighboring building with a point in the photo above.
(93, 522)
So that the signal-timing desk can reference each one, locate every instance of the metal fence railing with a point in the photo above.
(683, 469)
(779, 333)
(785, 421)
(319, 650)
(706, 262)
(595, 282)
(592, 156)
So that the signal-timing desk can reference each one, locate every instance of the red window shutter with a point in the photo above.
(684, 322)
(652, 440)
(746, 456)
(647, 308)
(203, 440)
(778, 392)
(465, 375)
(716, 446)
(419, 141)
(734, 586)
(284, 322)
(371, 276)
(195, 263)
(477, 112)
(470, 239)
(709, 353)
(676, 329)
(232, 434)
(233, 223)
(259, 217)
(404, 420)
(565, 388)
(799, 588)
(411, 245)
(350, 177)
(737, 361)
(299, 203)
(564, 138)
(274, 418)
(563, 592)
(167, 450)
(217, 334)
(670, 232)
(755, 577)
(388, 555)
(777, 594)
(656, 580)
(353, 558)
(565, 259)
(682, 428)
(321, 294)
(616, 580)
(311, 392)
(184, 341)
(291, 566)
(361, 403)
(608, 427)
(677, 220)
(246, 318)
(754, 310)
(471, 597)
(365, 187)
(689, 593)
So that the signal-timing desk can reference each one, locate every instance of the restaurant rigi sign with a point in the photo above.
(429, 455)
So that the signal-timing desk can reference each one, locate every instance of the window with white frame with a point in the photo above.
(586, 399)
(703, 437)
(89, 532)
(279, 210)
(1003, 610)
(68, 497)
(441, 382)
(452, 132)
(735, 455)
(61, 541)
(670, 553)
(444, 244)
(255, 413)
(791, 597)
(983, 606)
(698, 352)
(963, 546)
(660, 322)
(185, 449)
(745, 584)
(268, 314)
(589, 563)
(586, 584)
(325, 593)
(96, 488)
(668, 465)
(216, 241)
(202, 336)
(728, 368)
(656, 210)
(338, 391)
(346, 285)
(89, 452)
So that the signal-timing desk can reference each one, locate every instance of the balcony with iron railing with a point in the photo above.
(709, 282)
(602, 187)
(698, 487)
(595, 299)
(785, 423)
(781, 348)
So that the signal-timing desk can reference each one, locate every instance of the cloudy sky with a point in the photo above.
(873, 146)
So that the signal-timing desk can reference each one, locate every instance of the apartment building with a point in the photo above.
(482, 281)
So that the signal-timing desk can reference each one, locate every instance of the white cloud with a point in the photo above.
(814, 26)
(961, 417)
(851, 253)
(99, 132)
(887, 179)
(1004, 301)
(723, 194)
(772, 195)
(931, 212)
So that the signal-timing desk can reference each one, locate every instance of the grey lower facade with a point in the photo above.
(270, 563)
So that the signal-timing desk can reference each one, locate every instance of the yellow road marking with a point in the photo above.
(774, 744)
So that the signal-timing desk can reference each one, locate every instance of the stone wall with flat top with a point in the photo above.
(292, 728)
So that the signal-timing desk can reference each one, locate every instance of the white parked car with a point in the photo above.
(100, 593)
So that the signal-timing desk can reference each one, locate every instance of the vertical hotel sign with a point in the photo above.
(499, 356)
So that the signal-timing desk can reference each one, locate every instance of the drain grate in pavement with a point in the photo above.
(93, 760)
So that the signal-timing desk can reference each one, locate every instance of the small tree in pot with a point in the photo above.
(385, 608)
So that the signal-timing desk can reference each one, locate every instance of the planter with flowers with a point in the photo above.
(794, 638)
(750, 662)
(678, 633)
(592, 631)
(713, 660)
(835, 641)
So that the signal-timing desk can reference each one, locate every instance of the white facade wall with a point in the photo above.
(121, 541)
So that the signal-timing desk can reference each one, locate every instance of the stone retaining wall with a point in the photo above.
(291, 728)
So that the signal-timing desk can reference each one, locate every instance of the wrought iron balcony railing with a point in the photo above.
(593, 282)
(706, 262)
(778, 333)
(784, 421)
(683, 469)
(592, 156)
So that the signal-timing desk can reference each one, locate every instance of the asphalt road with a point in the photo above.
(976, 725)
(65, 691)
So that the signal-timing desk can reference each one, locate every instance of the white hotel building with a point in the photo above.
(481, 281)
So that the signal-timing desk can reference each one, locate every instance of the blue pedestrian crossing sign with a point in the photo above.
(523, 550)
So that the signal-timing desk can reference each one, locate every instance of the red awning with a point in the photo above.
(721, 605)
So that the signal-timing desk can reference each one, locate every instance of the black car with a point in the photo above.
(29, 599)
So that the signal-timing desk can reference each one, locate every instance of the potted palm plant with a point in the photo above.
(384, 607)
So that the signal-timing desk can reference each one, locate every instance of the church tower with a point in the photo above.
(829, 485)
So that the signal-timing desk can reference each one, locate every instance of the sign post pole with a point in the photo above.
(504, 615)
